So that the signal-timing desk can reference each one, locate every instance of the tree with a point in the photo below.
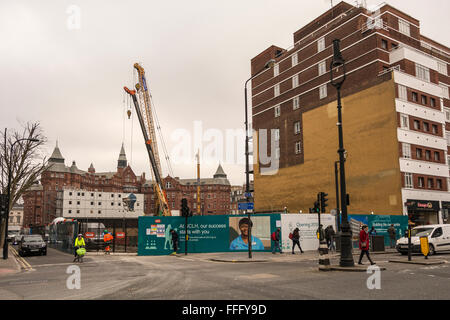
(25, 163)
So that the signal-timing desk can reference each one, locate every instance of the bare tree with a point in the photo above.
(25, 162)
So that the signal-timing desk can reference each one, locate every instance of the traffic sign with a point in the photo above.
(246, 206)
(248, 194)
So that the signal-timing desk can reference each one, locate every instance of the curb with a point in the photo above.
(425, 263)
(354, 269)
(237, 261)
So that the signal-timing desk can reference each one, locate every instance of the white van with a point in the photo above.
(438, 239)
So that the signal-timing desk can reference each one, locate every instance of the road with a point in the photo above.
(195, 277)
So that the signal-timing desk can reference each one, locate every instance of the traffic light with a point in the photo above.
(316, 207)
(323, 201)
(3, 204)
(185, 212)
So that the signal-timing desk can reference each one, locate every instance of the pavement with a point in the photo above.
(10, 265)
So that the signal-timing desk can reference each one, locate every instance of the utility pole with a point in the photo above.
(198, 183)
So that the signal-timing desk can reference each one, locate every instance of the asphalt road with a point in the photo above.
(195, 277)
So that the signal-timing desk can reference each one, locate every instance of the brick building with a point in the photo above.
(40, 201)
(396, 116)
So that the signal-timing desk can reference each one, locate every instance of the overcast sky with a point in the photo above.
(196, 55)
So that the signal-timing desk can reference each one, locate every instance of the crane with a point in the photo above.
(148, 132)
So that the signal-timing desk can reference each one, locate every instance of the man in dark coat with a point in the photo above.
(392, 235)
(174, 240)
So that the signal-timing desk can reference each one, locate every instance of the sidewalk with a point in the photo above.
(10, 265)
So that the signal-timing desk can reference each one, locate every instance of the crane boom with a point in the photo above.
(144, 98)
(158, 185)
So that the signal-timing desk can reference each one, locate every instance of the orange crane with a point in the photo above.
(144, 113)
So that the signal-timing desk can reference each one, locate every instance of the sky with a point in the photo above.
(64, 64)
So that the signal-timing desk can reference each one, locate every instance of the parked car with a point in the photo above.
(30, 244)
(13, 236)
(438, 239)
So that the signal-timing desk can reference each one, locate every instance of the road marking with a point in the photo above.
(259, 276)
(22, 262)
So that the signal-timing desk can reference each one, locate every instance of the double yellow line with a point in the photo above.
(24, 265)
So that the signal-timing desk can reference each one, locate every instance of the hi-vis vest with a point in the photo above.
(79, 243)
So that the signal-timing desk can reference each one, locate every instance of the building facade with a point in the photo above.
(16, 216)
(50, 199)
(396, 116)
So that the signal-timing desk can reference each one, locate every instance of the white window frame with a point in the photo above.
(447, 136)
(296, 103)
(404, 118)
(402, 92)
(277, 111)
(422, 72)
(294, 59)
(323, 91)
(445, 93)
(298, 147)
(442, 68)
(276, 134)
(276, 70)
(321, 44)
(295, 81)
(409, 180)
(297, 127)
(322, 68)
(277, 153)
(404, 27)
(277, 90)
(406, 148)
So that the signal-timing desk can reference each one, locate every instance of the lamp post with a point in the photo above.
(338, 61)
(338, 210)
(5, 244)
(268, 65)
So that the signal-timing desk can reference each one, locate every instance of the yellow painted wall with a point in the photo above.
(372, 167)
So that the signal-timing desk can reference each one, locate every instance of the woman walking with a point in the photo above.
(296, 240)
(364, 244)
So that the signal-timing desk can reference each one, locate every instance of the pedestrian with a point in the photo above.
(296, 240)
(372, 231)
(79, 243)
(330, 240)
(276, 237)
(364, 244)
(174, 240)
(392, 235)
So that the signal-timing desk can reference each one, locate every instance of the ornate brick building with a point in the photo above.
(40, 202)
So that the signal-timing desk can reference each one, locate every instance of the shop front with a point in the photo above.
(423, 212)
(445, 212)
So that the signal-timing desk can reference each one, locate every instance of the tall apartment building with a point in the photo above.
(42, 202)
(396, 116)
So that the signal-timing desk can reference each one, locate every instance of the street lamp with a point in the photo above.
(268, 65)
(338, 61)
(5, 244)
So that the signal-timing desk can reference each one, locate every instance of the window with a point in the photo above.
(439, 184)
(168, 185)
(276, 70)
(406, 147)
(277, 90)
(277, 111)
(112, 204)
(437, 156)
(415, 96)
(78, 203)
(295, 81)
(323, 91)
(112, 195)
(433, 102)
(70, 211)
(404, 27)
(447, 114)
(442, 68)
(321, 44)
(430, 184)
(422, 72)
(384, 44)
(427, 154)
(404, 121)
(322, 68)
(408, 180)
(99, 203)
(70, 202)
(297, 127)
(92, 203)
(434, 129)
(296, 103)
(70, 193)
(99, 211)
(447, 135)
(419, 153)
(444, 91)
(424, 99)
(421, 182)
(416, 124)
(78, 211)
(426, 126)
(402, 93)
(294, 59)
(298, 147)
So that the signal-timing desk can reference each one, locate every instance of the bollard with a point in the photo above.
(324, 258)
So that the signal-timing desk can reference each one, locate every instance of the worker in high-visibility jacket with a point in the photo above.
(79, 242)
